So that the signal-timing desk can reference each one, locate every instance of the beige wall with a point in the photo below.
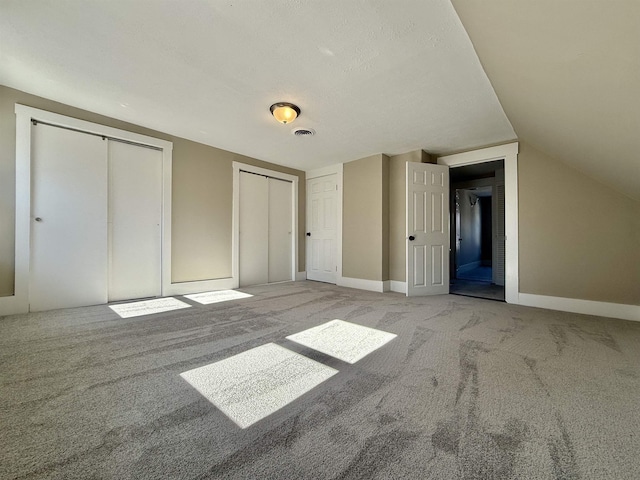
(398, 210)
(202, 195)
(364, 219)
(578, 238)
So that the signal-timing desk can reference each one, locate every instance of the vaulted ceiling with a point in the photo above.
(370, 76)
(567, 74)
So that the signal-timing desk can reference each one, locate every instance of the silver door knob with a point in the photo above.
(38, 219)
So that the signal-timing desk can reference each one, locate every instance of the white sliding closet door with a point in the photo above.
(135, 221)
(68, 219)
(254, 229)
(280, 211)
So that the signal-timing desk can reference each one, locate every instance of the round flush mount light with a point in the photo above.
(284, 112)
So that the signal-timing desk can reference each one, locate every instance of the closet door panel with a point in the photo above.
(69, 219)
(280, 214)
(254, 229)
(135, 221)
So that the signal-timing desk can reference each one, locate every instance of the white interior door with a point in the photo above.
(427, 229)
(280, 233)
(69, 219)
(254, 229)
(322, 200)
(135, 221)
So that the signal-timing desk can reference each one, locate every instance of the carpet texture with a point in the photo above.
(469, 389)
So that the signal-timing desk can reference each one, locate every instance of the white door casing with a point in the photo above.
(68, 219)
(265, 229)
(427, 229)
(25, 117)
(135, 221)
(322, 225)
(508, 153)
(238, 170)
(498, 244)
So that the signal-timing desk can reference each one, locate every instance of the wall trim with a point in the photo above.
(362, 284)
(508, 153)
(300, 276)
(19, 301)
(13, 304)
(398, 286)
(235, 235)
(587, 307)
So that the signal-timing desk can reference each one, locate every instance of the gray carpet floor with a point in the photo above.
(469, 389)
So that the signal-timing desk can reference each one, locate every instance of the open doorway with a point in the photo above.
(477, 234)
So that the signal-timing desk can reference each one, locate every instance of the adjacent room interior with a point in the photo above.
(477, 246)
(336, 240)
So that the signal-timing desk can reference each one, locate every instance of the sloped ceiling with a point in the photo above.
(375, 76)
(567, 74)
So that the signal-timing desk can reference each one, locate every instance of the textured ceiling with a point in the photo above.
(370, 76)
(568, 76)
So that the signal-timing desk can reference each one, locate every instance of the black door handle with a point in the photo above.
(411, 238)
(308, 234)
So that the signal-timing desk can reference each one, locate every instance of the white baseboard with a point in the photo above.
(400, 287)
(362, 284)
(184, 288)
(301, 276)
(12, 305)
(588, 307)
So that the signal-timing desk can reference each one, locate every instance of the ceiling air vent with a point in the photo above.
(303, 132)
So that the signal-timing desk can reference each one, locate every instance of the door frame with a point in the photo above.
(235, 242)
(508, 153)
(19, 301)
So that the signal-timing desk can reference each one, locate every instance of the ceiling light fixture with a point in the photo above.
(284, 112)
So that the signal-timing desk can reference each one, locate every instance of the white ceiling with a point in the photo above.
(370, 76)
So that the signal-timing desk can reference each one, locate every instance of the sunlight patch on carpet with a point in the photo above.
(254, 384)
(148, 307)
(206, 298)
(343, 340)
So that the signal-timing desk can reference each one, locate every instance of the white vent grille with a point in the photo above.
(303, 132)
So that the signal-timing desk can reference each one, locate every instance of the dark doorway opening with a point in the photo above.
(477, 233)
